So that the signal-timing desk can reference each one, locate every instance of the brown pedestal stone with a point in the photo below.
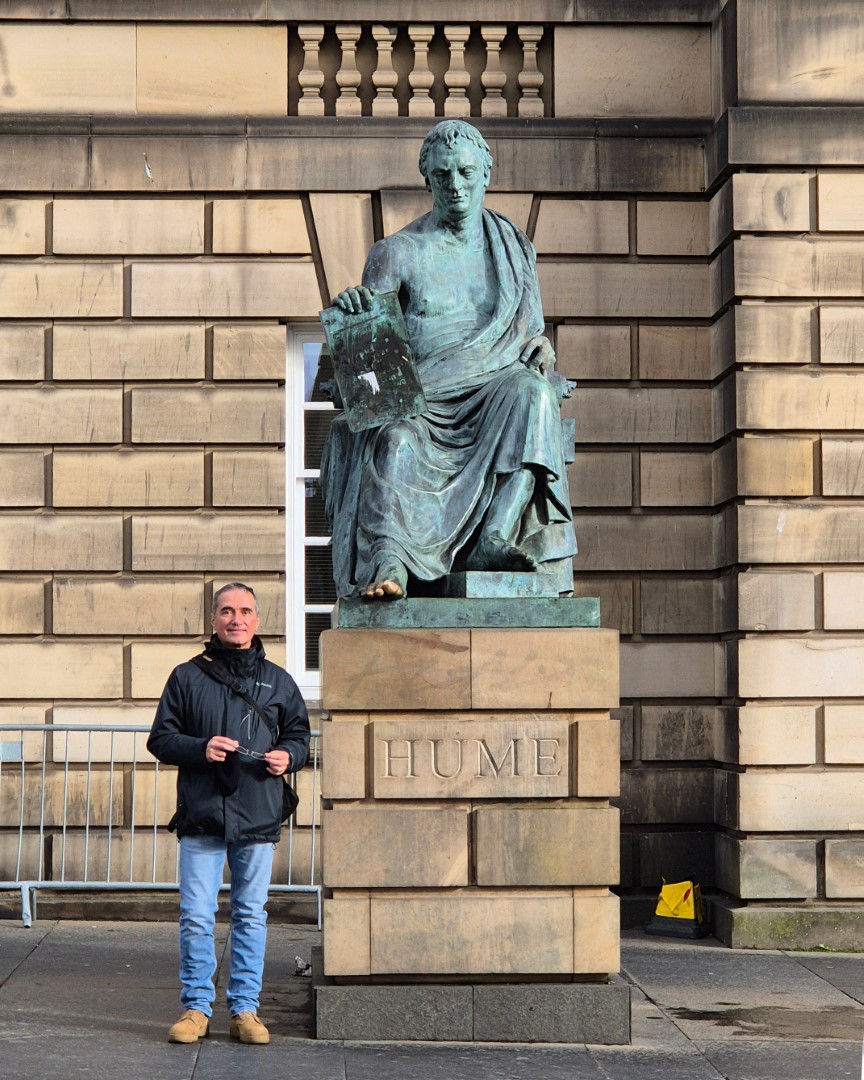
(467, 836)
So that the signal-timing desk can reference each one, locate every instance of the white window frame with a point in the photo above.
(296, 541)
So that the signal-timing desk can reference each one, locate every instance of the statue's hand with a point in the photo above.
(538, 354)
(354, 300)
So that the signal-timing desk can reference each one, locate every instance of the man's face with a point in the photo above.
(235, 621)
(457, 178)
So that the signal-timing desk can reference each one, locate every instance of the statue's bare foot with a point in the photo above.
(390, 585)
(494, 553)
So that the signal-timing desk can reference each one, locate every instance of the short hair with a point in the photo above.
(448, 132)
(227, 588)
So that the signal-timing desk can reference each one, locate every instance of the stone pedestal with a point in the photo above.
(467, 836)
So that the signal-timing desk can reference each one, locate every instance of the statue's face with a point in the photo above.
(458, 178)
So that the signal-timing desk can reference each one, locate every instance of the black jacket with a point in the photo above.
(192, 710)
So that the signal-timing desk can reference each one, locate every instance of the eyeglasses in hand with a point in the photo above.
(250, 753)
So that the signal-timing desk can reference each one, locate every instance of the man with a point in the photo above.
(478, 481)
(229, 805)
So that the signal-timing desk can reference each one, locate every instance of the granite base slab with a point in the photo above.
(436, 613)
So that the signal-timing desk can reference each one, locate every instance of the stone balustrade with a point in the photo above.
(359, 69)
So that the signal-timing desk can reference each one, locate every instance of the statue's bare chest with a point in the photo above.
(447, 278)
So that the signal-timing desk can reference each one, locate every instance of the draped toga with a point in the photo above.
(417, 490)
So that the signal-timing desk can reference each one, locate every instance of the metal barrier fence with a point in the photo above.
(84, 807)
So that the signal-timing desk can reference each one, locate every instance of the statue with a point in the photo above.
(478, 480)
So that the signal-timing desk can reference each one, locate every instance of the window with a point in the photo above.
(309, 589)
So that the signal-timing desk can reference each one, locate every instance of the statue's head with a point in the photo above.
(448, 133)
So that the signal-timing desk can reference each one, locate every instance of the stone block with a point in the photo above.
(775, 869)
(53, 415)
(61, 290)
(801, 534)
(259, 227)
(85, 857)
(772, 202)
(486, 757)
(347, 930)
(171, 163)
(672, 228)
(598, 756)
(61, 669)
(841, 334)
(671, 796)
(70, 797)
(786, 400)
(151, 663)
(844, 869)
(22, 477)
(217, 69)
(21, 855)
(128, 226)
(308, 789)
(844, 734)
(777, 734)
(675, 352)
(45, 162)
(612, 71)
(424, 612)
(343, 224)
(366, 669)
(598, 1013)
(127, 606)
(843, 600)
(128, 478)
(802, 667)
(593, 352)
(473, 932)
(616, 290)
(252, 541)
(513, 205)
(293, 861)
(675, 856)
(207, 414)
(662, 165)
(400, 208)
(396, 846)
(22, 226)
(787, 800)
(104, 746)
(790, 52)
(677, 605)
(814, 266)
(840, 201)
(22, 605)
(602, 479)
(596, 932)
(21, 746)
(582, 227)
(22, 351)
(620, 542)
(774, 467)
(225, 289)
(139, 351)
(155, 793)
(685, 733)
(542, 844)
(559, 669)
(843, 466)
(248, 478)
(425, 1012)
(672, 669)
(249, 352)
(343, 760)
(774, 333)
(69, 68)
(676, 479)
(776, 601)
(616, 600)
(640, 415)
(51, 542)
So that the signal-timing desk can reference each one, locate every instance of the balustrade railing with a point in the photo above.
(361, 69)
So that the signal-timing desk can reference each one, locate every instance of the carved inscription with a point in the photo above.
(422, 759)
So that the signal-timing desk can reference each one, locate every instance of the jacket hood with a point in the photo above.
(237, 661)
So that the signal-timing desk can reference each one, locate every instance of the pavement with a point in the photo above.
(80, 999)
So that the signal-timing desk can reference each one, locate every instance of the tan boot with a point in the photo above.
(192, 1026)
(246, 1027)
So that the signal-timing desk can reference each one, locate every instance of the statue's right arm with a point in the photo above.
(382, 273)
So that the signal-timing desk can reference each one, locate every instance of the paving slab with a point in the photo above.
(399, 1061)
(785, 1060)
(638, 1063)
(282, 1059)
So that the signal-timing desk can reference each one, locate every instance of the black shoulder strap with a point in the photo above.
(216, 671)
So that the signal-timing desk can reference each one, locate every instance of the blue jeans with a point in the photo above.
(202, 860)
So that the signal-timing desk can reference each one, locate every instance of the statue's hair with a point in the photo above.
(448, 132)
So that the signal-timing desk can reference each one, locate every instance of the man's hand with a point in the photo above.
(354, 300)
(219, 747)
(278, 762)
(538, 354)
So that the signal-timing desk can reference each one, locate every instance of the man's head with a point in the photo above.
(234, 615)
(456, 163)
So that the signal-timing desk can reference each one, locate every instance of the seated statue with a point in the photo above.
(478, 480)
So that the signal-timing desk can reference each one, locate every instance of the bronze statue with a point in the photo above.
(477, 481)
